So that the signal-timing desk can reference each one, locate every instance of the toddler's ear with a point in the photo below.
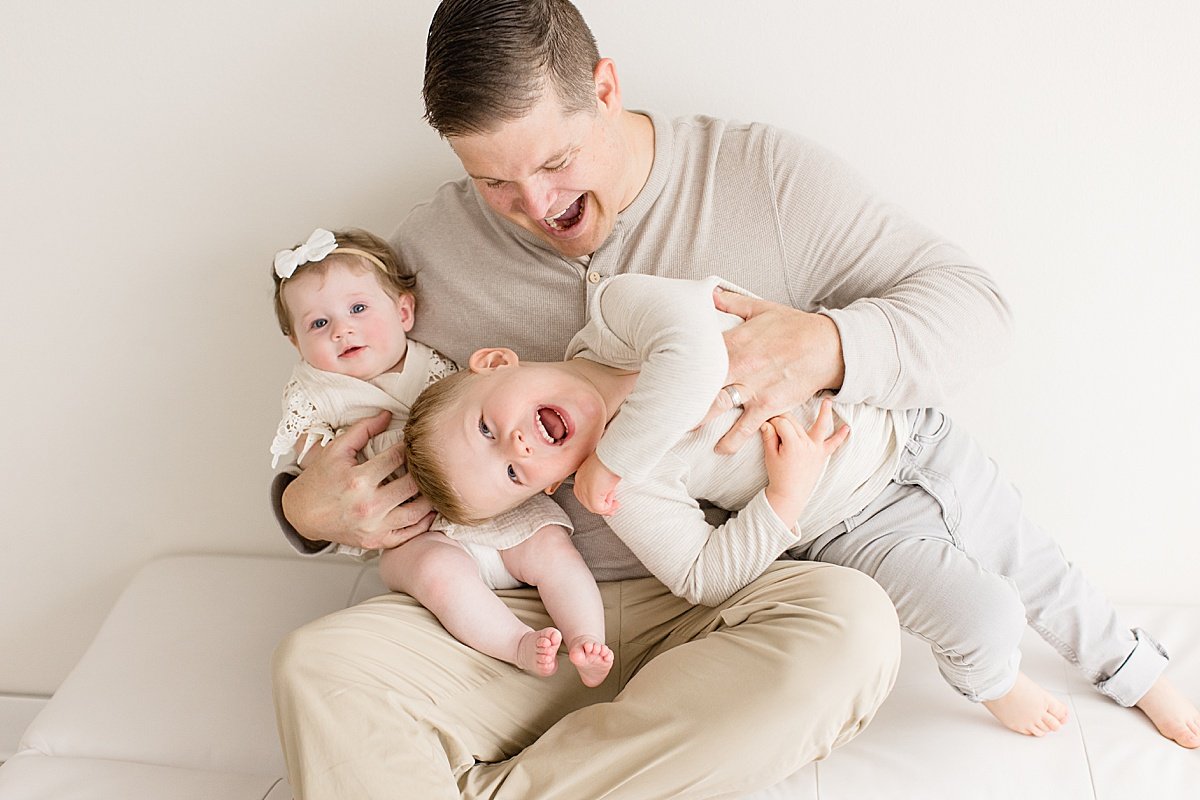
(406, 308)
(488, 359)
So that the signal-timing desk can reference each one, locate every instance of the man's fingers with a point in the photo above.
(355, 437)
(380, 465)
(398, 492)
(398, 536)
(745, 427)
(407, 515)
(720, 405)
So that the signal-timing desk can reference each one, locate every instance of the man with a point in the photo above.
(565, 187)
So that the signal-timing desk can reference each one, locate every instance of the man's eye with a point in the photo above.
(560, 166)
(512, 474)
(319, 323)
(358, 308)
(483, 428)
(493, 184)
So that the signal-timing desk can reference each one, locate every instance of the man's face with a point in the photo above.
(562, 176)
(516, 431)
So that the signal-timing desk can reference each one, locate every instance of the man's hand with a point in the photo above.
(596, 486)
(778, 359)
(795, 459)
(337, 499)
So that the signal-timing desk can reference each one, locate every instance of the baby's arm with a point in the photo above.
(596, 486)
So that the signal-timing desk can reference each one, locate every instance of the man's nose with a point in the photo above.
(535, 196)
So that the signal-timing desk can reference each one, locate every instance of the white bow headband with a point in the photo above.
(318, 246)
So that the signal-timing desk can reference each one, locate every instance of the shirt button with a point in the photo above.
(593, 277)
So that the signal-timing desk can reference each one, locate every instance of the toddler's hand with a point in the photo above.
(796, 457)
(596, 486)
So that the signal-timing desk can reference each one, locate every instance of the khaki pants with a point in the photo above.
(378, 701)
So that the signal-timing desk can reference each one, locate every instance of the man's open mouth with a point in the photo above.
(569, 217)
(552, 425)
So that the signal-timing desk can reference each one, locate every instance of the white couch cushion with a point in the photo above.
(179, 673)
(173, 699)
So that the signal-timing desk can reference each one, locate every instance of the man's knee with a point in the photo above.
(845, 624)
(298, 657)
(867, 631)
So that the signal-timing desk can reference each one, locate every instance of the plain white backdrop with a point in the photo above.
(153, 156)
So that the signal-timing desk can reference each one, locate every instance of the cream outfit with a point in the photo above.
(317, 405)
(670, 332)
(378, 701)
(908, 498)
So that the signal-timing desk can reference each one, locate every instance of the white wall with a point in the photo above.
(155, 155)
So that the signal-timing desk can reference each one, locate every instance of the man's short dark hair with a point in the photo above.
(489, 61)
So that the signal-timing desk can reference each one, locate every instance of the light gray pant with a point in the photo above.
(948, 541)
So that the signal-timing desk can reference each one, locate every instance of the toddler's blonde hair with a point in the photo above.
(424, 443)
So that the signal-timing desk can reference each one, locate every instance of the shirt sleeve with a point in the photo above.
(665, 528)
(917, 317)
(670, 331)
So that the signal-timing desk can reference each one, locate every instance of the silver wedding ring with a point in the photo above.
(735, 396)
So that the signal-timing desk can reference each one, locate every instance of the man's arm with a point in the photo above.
(890, 314)
(338, 500)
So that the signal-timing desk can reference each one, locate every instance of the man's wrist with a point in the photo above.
(833, 357)
(279, 487)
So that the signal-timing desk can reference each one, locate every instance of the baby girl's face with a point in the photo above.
(343, 321)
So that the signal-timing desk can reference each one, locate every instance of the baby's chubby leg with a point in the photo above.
(445, 579)
(550, 562)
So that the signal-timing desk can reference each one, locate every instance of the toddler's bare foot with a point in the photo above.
(592, 658)
(1173, 714)
(538, 652)
(1028, 708)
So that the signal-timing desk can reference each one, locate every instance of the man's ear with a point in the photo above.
(552, 488)
(406, 307)
(489, 359)
(608, 88)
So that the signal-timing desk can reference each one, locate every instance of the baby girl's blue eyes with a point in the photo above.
(483, 428)
(319, 323)
(512, 474)
(357, 308)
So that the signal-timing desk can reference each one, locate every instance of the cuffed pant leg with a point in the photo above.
(716, 702)
(972, 619)
(1066, 609)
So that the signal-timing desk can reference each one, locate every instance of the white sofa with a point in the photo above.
(172, 700)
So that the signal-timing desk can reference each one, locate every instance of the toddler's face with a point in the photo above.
(517, 431)
(343, 321)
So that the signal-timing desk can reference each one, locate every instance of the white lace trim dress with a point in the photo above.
(318, 405)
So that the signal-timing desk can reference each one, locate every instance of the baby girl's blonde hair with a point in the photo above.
(379, 257)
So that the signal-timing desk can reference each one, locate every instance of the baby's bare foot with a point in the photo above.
(592, 658)
(1028, 708)
(538, 651)
(1173, 714)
